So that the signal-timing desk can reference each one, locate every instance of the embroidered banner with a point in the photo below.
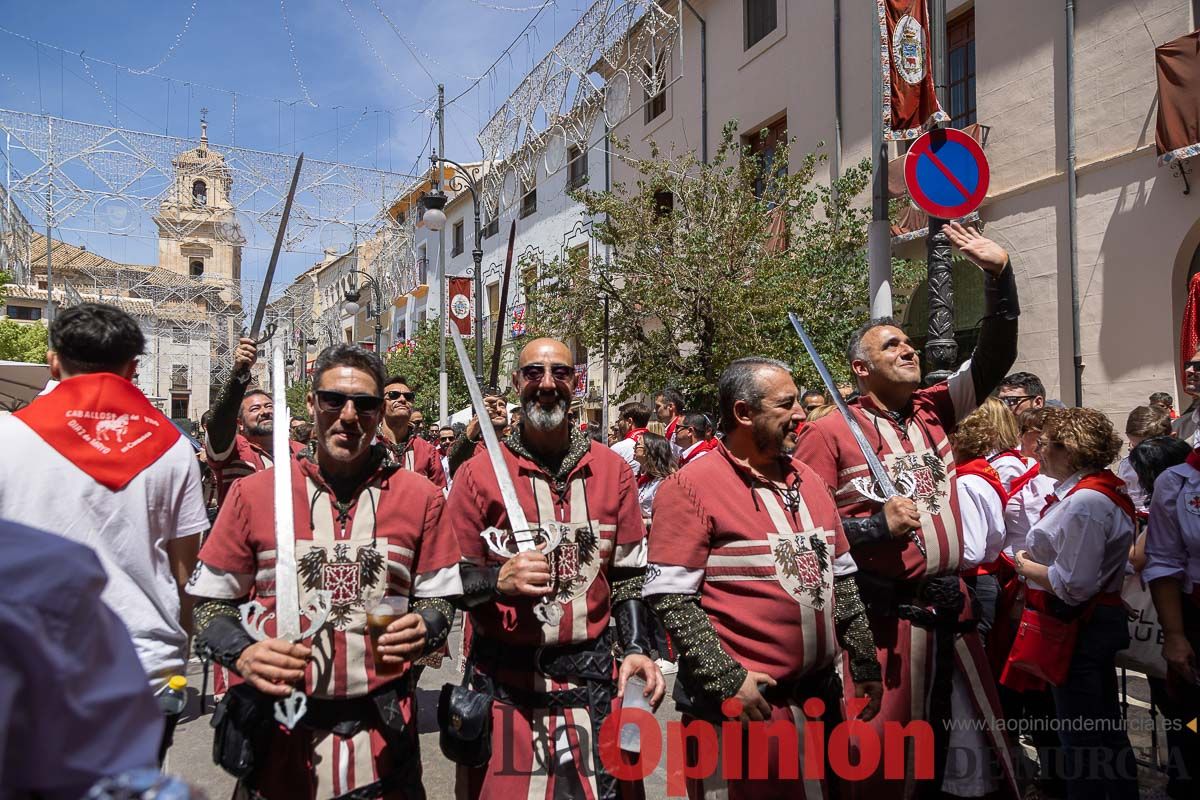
(459, 304)
(910, 104)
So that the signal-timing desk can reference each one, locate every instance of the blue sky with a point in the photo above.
(368, 104)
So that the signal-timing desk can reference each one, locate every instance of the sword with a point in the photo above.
(523, 536)
(290, 709)
(879, 487)
(261, 309)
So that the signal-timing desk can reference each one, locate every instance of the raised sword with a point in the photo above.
(260, 310)
(523, 537)
(879, 487)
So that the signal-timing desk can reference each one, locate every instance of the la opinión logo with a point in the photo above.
(735, 750)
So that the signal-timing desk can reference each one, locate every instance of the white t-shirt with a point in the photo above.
(128, 529)
(624, 449)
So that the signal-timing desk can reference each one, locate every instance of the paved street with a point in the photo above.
(191, 756)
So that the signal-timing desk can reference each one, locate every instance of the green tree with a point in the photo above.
(23, 341)
(297, 400)
(701, 279)
(418, 361)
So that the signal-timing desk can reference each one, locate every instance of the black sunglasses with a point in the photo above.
(535, 372)
(1014, 400)
(396, 394)
(365, 404)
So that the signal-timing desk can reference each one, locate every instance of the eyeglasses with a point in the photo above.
(395, 394)
(1014, 400)
(365, 404)
(535, 372)
(446, 439)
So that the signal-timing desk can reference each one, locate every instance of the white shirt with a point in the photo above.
(1008, 467)
(624, 449)
(1085, 540)
(1173, 530)
(982, 516)
(646, 495)
(129, 530)
(685, 453)
(1133, 486)
(1023, 510)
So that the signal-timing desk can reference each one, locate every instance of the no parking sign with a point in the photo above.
(946, 173)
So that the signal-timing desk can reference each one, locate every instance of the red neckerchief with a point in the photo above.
(102, 424)
(670, 432)
(1104, 482)
(1193, 459)
(636, 434)
(1019, 483)
(981, 468)
(701, 449)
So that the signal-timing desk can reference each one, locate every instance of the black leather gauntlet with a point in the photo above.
(220, 636)
(479, 585)
(866, 530)
(1000, 295)
(633, 626)
(437, 613)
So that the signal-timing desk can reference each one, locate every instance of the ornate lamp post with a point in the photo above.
(352, 306)
(433, 202)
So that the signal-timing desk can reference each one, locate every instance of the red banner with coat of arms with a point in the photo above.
(458, 304)
(910, 104)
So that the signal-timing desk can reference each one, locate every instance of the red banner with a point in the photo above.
(459, 296)
(910, 104)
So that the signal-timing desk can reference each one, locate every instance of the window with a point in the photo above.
(528, 197)
(199, 193)
(664, 203)
(655, 106)
(960, 44)
(24, 313)
(457, 247)
(491, 227)
(196, 268)
(760, 19)
(179, 406)
(179, 335)
(577, 167)
(764, 147)
(493, 296)
(179, 376)
(529, 279)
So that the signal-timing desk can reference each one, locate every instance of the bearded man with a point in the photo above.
(753, 579)
(541, 642)
(401, 435)
(909, 551)
(365, 529)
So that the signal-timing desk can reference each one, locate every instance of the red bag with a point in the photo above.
(1044, 646)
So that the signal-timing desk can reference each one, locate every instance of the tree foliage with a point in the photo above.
(695, 281)
(418, 360)
(23, 341)
(297, 400)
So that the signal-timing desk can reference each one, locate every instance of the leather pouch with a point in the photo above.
(465, 720)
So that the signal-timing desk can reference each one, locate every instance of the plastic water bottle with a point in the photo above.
(634, 697)
(173, 698)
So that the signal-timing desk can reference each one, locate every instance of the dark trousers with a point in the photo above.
(1180, 705)
(986, 591)
(1097, 760)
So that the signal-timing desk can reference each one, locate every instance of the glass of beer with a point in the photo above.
(384, 613)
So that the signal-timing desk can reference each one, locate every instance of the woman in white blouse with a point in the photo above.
(1076, 555)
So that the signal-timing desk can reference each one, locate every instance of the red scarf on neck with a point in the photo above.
(1104, 482)
(1193, 459)
(102, 424)
(982, 469)
(1019, 483)
(636, 434)
(701, 449)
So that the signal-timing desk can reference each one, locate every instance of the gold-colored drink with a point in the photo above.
(379, 617)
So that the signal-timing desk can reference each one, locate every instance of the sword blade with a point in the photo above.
(287, 599)
(878, 472)
(508, 493)
(261, 309)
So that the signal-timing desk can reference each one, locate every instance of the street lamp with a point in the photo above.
(352, 305)
(433, 202)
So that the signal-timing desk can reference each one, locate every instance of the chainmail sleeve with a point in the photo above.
(626, 583)
(701, 656)
(854, 631)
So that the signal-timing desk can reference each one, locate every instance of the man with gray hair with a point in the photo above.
(753, 578)
(909, 549)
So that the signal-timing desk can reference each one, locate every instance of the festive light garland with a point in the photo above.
(174, 45)
(292, 49)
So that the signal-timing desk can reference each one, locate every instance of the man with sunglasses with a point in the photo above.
(365, 529)
(1022, 391)
(1187, 425)
(401, 433)
(542, 643)
(693, 438)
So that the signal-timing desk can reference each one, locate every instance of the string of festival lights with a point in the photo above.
(174, 45)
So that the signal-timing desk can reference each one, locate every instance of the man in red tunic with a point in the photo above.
(240, 425)
(909, 550)
(365, 530)
(542, 646)
(410, 449)
(752, 576)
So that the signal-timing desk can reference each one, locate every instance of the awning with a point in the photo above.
(20, 383)
(1177, 131)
